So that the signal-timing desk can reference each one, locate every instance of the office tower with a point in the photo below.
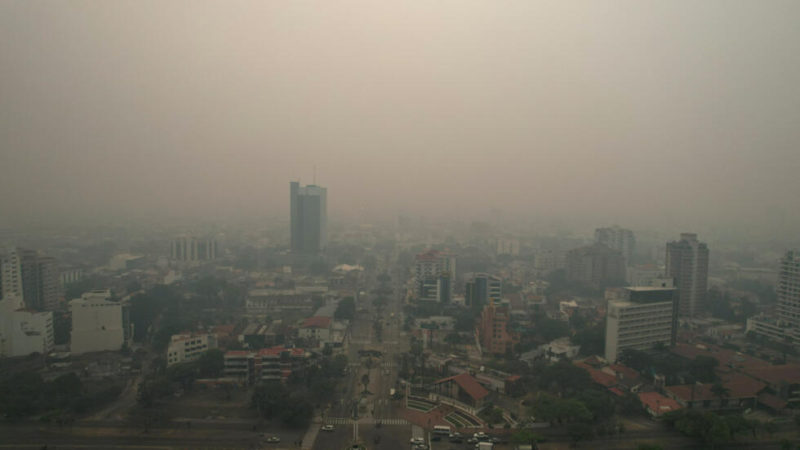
(618, 239)
(435, 273)
(687, 264)
(482, 289)
(596, 264)
(193, 249)
(309, 218)
(642, 318)
(40, 285)
(788, 289)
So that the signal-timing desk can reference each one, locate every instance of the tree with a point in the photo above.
(579, 431)
(702, 368)
(346, 309)
(720, 391)
(564, 378)
(365, 381)
(211, 363)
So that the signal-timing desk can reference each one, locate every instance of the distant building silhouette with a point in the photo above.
(596, 264)
(309, 218)
(193, 249)
(618, 239)
(687, 264)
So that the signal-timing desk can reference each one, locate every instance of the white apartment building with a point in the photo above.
(434, 276)
(98, 324)
(189, 347)
(786, 324)
(22, 331)
(644, 317)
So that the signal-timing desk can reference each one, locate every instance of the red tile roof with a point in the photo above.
(226, 330)
(657, 403)
(728, 359)
(628, 374)
(617, 392)
(602, 378)
(276, 351)
(316, 322)
(738, 385)
(784, 373)
(772, 401)
(468, 384)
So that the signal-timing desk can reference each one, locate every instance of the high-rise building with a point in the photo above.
(596, 264)
(435, 273)
(642, 318)
(483, 289)
(687, 264)
(193, 249)
(309, 218)
(618, 239)
(10, 275)
(22, 330)
(38, 283)
(788, 289)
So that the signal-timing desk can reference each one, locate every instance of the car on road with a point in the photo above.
(417, 440)
(273, 440)
(327, 428)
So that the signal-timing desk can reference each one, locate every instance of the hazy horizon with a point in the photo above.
(645, 114)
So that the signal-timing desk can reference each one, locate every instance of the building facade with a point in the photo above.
(189, 347)
(309, 218)
(597, 264)
(687, 264)
(618, 239)
(493, 330)
(434, 275)
(483, 289)
(785, 324)
(193, 249)
(98, 323)
(643, 318)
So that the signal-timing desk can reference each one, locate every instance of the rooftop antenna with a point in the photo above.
(315, 175)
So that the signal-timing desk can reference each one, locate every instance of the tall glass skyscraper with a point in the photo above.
(309, 217)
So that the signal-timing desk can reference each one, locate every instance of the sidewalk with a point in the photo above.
(311, 434)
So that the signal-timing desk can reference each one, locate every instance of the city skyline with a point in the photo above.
(538, 103)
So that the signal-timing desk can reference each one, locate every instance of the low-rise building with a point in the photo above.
(317, 329)
(188, 347)
(269, 364)
(657, 405)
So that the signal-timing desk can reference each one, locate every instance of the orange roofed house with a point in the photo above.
(462, 387)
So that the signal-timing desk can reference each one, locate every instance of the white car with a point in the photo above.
(327, 428)
(417, 440)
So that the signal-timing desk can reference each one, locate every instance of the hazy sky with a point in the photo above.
(633, 112)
